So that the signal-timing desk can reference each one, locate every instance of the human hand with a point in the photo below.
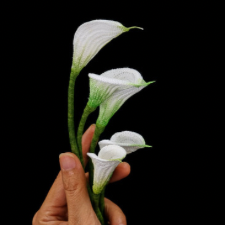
(68, 203)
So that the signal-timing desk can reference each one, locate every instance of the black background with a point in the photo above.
(172, 182)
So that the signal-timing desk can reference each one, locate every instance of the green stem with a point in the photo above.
(102, 201)
(71, 128)
(96, 199)
(91, 171)
(87, 111)
(98, 132)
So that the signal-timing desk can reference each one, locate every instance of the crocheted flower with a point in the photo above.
(105, 85)
(91, 36)
(111, 89)
(129, 140)
(105, 163)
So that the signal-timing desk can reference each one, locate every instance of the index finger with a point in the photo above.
(86, 142)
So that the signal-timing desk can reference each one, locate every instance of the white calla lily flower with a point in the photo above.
(104, 85)
(111, 89)
(129, 140)
(105, 163)
(91, 36)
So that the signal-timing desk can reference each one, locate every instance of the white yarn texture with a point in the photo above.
(108, 83)
(105, 163)
(112, 88)
(90, 37)
(129, 140)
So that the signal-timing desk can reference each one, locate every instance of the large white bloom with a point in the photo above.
(111, 89)
(91, 36)
(129, 140)
(108, 83)
(105, 163)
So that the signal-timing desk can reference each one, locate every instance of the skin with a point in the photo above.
(68, 203)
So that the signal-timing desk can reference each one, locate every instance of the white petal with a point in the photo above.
(124, 74)
(128, 137)
(130, 141)
(104, 143)
(103, 170)
(112, 104)
(90, 37)
(102, 88)
(110, 82)
(112, 152)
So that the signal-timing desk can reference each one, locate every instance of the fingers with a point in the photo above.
(54, 205)
(86, 142)
(74, 182)
(114, 214)
(121, 171)
(56, 195)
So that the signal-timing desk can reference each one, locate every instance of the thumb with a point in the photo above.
(74, 182)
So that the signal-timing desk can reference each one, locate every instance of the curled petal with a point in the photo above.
(129, 75)
(102, 88)
(126, 81)
(111, 89)
(104, 167)
(130, 141)
(112, 104)
(91, 36)
(112, 152)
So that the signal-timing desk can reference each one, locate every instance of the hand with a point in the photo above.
(68, 203)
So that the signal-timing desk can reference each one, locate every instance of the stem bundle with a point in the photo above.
(76, 143)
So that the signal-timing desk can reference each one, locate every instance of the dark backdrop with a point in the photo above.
(171, 182)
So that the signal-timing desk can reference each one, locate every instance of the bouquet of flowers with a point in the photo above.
(108, 91)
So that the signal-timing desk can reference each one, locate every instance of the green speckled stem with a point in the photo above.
(91, 173)
(98, 132)
(96, 199)
(87, 111)
(101, 201)
(71, 128)
(102, 196)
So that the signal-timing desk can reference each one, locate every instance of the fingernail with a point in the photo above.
(66, 161)
(93, 126)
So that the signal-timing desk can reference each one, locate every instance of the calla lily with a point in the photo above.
(129, 140)
(111, 89)
(91, 36)
(105, 85)
(105, 163)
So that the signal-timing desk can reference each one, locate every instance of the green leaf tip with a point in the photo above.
(134, 27)
(147, 146)
(143, 84)
(142, 146)
(150, 82)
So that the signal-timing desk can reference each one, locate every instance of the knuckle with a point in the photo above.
(41, 217)
(36, 220)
